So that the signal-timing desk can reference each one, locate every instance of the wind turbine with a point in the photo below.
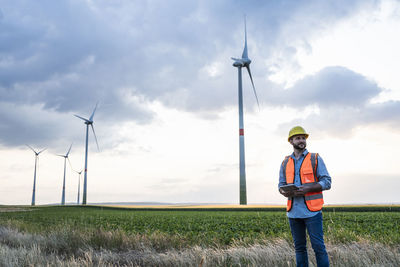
(79, 184)
(65, 165)
(34, 173)
(87, 122)
(240, 63)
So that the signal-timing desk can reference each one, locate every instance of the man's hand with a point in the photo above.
(301, 191)
(304, 189)
(286, 194)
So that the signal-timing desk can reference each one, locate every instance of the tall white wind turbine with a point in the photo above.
(240, 63)
(87, 122)
(34, 173)
(65, 165)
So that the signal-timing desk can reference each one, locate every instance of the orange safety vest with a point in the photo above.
(308, 175)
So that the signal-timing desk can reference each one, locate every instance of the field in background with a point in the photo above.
(254, 207)
(237, 206)
(195, 206)
(189, 235)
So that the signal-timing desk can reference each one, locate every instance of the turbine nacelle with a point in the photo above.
(88, 122)
(246, 61)
(238, 63)
(241, 62)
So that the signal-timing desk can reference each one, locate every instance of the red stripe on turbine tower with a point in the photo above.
(241, 132)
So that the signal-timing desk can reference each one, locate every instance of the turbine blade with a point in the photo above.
(91, 116)
(95, 138)
(81, 118)
(70, 165)
(244, 55)
(252, 83)
(68, 150)
(41, 151)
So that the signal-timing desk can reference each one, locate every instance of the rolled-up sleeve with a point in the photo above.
(323, 175)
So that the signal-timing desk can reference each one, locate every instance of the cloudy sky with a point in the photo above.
(167, 118)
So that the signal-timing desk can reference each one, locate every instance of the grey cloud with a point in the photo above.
(332, 86)
(343, 99)
(159, 49)
(31, 124)
(385, 112)
(64, 56)
(39, 127)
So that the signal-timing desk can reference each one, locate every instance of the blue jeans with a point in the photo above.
(314, 228)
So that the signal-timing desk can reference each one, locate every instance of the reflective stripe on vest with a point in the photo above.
(308, 175)
(312, 197)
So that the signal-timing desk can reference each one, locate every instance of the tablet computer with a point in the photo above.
(289, 187)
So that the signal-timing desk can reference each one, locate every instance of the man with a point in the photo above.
(308, 172)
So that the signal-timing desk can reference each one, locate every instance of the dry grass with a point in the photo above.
(69, 248)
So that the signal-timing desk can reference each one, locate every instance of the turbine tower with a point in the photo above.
(65, 165)
(79, 185)
(87, 122)
(240, 63)
(34, 173)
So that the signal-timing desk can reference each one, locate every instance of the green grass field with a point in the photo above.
(163, 230)
(205, 227)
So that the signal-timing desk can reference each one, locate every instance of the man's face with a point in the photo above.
(299, 141)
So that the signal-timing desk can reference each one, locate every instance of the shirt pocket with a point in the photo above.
(307, 175)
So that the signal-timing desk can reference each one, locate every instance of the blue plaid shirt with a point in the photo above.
(299, 208)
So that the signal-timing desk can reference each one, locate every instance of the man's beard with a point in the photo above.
(299, 147)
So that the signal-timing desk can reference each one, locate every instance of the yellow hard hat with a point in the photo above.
(297, 130)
